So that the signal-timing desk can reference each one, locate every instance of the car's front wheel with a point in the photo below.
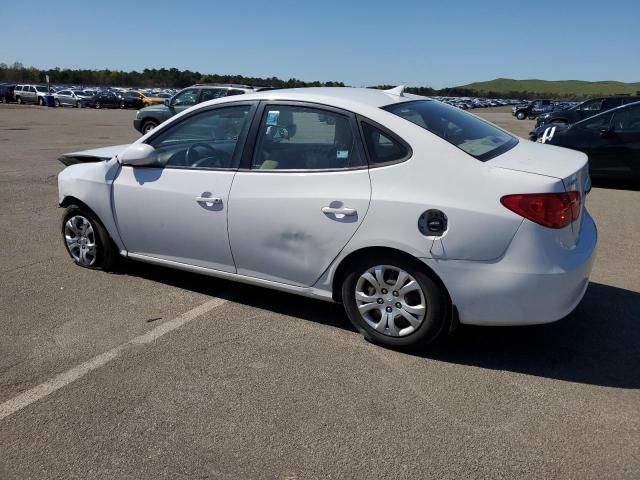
(148, 126)
(521, 115)
(86, 239)
(393, 302)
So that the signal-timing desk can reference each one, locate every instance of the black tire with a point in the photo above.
(98, 105)
(19, 100)
(78, 104)
(122, 105)
(148, 126)
(106, 252)
(434, 323)
(40, 101)
(57, 102)
(521, 115)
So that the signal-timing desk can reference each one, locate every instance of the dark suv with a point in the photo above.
(149, 118)
(585, 110)
(6, 93)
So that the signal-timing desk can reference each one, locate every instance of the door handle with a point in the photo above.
(214, 200)
(349, 212)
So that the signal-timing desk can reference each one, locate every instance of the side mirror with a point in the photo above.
(138, 155)
(607, 133)
(167, 102)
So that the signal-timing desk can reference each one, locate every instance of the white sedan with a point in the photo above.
(414, 214)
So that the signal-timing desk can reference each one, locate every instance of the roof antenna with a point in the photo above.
(399, 91)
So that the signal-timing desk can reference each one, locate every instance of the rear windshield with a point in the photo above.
(476, 137)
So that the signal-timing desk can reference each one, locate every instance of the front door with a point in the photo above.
(302, 194)
(622, 153)
(177, 210)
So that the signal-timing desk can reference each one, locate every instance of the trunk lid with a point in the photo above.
(570, 167)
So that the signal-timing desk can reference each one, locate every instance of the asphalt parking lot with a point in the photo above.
(154, 373)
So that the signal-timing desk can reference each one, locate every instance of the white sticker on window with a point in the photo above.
(342, 154)
(272, 117)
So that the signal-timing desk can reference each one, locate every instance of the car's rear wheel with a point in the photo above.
(57, 102)
(98, 105)
(78, 104)
(86, 239)
(148, 126)
(521, 115)
(19, 100)
(40, 101)
(122, 105)
(393, 302)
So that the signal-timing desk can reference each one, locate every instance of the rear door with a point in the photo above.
(302, 193)
(30, 95)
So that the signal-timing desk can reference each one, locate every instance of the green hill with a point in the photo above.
(563, 88)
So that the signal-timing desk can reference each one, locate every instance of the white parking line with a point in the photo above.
(47, 388)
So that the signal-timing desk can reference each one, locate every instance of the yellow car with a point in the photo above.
(149, 100)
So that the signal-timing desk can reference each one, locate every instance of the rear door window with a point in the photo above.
(303, 138)
(476, 137)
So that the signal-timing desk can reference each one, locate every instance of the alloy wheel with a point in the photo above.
(81, 240)
(390, 300)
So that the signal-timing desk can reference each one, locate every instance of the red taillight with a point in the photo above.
(553, 210)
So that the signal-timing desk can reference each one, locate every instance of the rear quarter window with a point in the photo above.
(474, 136)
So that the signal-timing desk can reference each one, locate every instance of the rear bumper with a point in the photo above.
(528, 285)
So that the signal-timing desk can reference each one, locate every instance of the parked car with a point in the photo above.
(611, 140)
(150, 117)
(105, 99)
(31, 94)
(6, 93)
(585, 110)
(413, 214)
(72, 98)
(131, 99)
(151, 99)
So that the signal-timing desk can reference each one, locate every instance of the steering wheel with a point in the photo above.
(192, 156)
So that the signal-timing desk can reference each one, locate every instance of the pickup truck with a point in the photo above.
(532, 109)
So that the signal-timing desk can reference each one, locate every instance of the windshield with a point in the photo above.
(40, 88)
(476, 137)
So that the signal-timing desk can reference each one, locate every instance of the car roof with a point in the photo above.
(341, 97)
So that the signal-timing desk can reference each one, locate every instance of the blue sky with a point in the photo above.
(420, 43)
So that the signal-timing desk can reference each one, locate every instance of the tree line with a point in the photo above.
(174, 78)
(161, 78)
